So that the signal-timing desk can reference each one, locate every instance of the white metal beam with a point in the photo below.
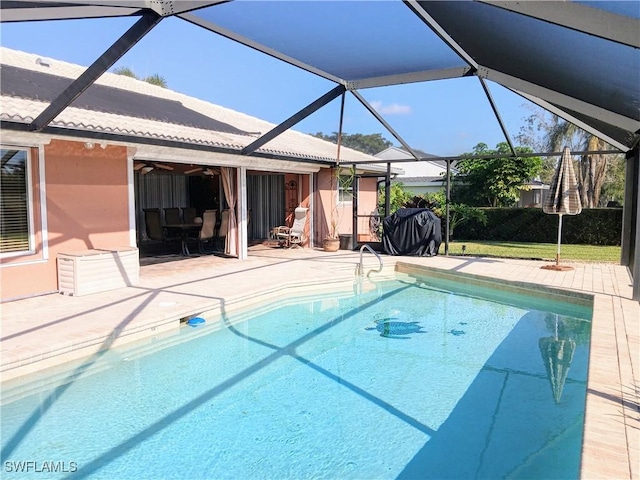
(181, 6)
(411, 77)
(77, 9)
(139, 4)
(64, 13)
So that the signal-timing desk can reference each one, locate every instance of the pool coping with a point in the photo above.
(521, 288)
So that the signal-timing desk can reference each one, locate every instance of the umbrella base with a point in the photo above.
(559, 268)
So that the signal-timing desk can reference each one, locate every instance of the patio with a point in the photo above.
(47, 330)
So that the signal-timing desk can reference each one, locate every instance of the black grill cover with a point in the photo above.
(412, 231)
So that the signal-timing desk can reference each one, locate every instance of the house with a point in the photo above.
(419, 177)
(534, 195)
(82, 183)
(429, 176)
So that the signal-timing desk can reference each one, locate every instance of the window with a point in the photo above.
(15, 221)
(345, 188)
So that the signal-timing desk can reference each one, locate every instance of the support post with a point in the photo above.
(447, 201)
(387, 191)
(630, 252)
(354, 210)
(243, 243)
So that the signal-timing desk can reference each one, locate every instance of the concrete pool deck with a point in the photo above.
(50, 329)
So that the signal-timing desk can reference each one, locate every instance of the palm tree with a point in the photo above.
(592, 169)
(126, 71)
(155, 79)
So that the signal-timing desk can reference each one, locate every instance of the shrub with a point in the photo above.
(594, 226)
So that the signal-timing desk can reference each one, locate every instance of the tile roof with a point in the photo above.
(30, 84)
(123, 105)
(414, 168)
(420, 180)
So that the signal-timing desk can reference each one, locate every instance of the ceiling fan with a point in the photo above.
(147, 167)
(203, 170)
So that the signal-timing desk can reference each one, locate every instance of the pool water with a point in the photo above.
(406, 380)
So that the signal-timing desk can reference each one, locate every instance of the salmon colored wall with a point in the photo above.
(87, 207)
(367, 203)
(325, 199)
(323, 204)
(305, 189)
(327, 210)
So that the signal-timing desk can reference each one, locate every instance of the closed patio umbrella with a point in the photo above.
(557, 355)
(563, 199)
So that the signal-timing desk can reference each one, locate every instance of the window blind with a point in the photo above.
(14, 201)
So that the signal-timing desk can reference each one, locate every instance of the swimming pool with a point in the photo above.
(403, 380)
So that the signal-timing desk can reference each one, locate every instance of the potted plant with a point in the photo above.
(344, 180)
(331, 242)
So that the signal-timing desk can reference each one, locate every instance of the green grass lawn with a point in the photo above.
(537, 251)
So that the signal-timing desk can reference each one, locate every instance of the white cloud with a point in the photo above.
(391, 109)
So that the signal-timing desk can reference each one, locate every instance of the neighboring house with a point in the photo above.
(535, 196)
(123, 145)
(429, 176)
(423, 176)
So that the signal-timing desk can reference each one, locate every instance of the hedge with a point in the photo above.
(594, 226)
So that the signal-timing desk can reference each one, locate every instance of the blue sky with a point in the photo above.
(445, 117)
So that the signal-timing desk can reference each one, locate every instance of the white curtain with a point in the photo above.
(228, 184)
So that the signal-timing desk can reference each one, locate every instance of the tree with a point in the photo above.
(126, 71)
(494, 182)
(592, 168)
(371, 144)
(613, 186)
(458, 212)
(398, 197)
(532, 135)
(436, 202)
(545, 131)
(154, 79)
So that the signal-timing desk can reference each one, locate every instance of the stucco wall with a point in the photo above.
(367, 197)
(87, 207)
(343, 213)
(323, 204)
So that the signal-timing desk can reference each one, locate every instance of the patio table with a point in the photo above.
(184, 229)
